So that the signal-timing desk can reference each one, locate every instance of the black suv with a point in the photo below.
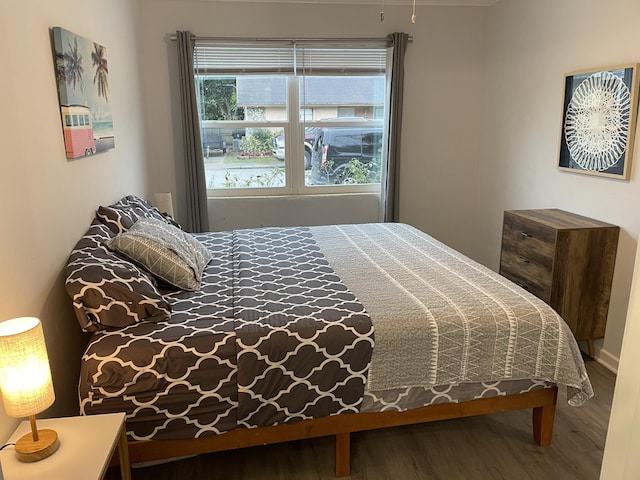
(335, 147)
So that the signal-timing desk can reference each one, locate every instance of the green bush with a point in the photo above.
(258, 142)
(273, 178)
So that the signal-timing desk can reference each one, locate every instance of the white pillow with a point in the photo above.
(165, 251)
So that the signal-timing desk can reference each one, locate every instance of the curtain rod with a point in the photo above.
(256, 39)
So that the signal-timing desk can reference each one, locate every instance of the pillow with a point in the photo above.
(107, 290)
(168, 253)
(121, 216)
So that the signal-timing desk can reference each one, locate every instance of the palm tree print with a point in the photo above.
(73, 69)
(99, 59)
(78, 60)
(60, 75)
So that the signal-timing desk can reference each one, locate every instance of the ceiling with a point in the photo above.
(481, 3)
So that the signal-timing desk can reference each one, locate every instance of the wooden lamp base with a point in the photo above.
(30, 450)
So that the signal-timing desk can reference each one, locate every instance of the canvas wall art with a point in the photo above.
(599, 121)
(82, 75)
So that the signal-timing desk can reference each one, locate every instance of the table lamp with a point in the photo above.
(164, 203)
(25, 381)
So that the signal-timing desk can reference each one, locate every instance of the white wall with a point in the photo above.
(531, 45)
(47, 201)
(621, 460)
(234, 213)
(444, 78)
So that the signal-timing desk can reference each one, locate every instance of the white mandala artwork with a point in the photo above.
(596, 126)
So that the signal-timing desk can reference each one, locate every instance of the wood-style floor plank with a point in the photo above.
(489, 447)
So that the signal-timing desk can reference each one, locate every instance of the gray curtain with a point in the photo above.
(390, 186)
(196, 185)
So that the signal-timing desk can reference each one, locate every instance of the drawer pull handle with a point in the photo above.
(525, 235)
(522, 260)
(521, 285)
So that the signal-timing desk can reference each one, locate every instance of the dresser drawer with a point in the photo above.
(535, 277)
(531, 240)
(528, 249)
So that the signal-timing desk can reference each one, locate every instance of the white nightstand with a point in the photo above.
(87, 444)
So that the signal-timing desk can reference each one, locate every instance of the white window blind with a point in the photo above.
(221, 58)
(288, 57)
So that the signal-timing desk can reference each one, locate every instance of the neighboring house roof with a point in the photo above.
(317, 91)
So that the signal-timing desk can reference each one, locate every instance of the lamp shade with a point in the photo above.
(25, 376)
(164, 202)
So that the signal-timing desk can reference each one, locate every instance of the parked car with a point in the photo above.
(335, 147)
(309, 135)
(278, 146)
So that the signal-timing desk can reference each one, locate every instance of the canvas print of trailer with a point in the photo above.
(82, 75)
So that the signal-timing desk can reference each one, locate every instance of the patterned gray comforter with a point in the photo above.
(282, 330)
(304, 342)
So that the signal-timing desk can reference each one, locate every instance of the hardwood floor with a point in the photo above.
(489, 447)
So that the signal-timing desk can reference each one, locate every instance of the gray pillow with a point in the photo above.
(121, 216)
(107, 290)
(165, 251)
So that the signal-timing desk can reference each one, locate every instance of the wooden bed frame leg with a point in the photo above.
(343, 468)
(543, 418)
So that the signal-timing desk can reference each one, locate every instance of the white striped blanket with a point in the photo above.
(440, 317)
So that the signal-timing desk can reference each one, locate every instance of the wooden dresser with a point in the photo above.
(565, 259)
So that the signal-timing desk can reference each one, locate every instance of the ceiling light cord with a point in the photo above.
(413, 13)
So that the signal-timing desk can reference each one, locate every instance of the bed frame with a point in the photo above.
(543, 403)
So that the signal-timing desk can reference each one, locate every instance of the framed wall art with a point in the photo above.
(599, 121)
(82, 76)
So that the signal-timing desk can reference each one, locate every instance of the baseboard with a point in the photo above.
(607, 360)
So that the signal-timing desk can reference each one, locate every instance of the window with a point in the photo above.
(291, 117)
(346, 112)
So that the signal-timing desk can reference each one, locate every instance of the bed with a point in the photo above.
(293, 333)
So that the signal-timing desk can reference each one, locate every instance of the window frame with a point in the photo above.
(294, 127)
